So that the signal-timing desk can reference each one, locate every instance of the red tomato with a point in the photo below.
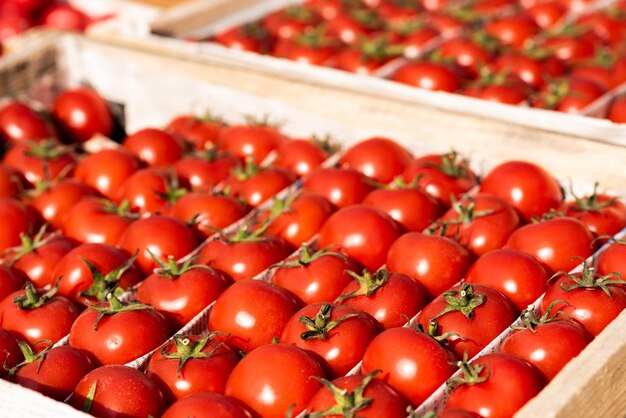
(307, 48)
(338, 334)
(117, 333)
(315, 277)
(526, 186)
(209, 405)
(547, 14)
(249, 37)
(428, 75)
(466, 53)
(150, 190)
(476, 315)
(569, 95)
(596, 72)
(288, 22)
(111, 391)
(10, 352)
(435, 262)
(54, 372)
(154, 147)
(514, 31)
(302, 156)
(342, 187)
(617, 111)
(528, 69)
(191, 365)
(364, 233)
(198, 133)
(64, 17)
(389, 298)
(162, 236)
(11, 280)
(250, 141)
(548, 343)
(416, 367)
(558, 243)
(380, 159)
(570, 49)
(501, 93)
(54, 201)
(603, 214)
(350, 27)
(368, 55)
(19, 123)
(363, 395)
(612, 259)
(11, 182)
(249, 323)
(495, 385)
(81, 113)
(254, 185)
(40, 162)
(202, 172)
(515, 274)
(15, 219)
(31, 316)
(106, 170)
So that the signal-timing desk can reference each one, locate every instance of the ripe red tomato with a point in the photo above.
(81, 113)
(64, 17)
(364, 395)
(150, 190)
(200, 404)
(118, 390)
(249, 323)
(495, 385)
(515, 274)
(571, 49)
(364, 233)
(416, 367)
(507, 93)
(617, 111)
(306, 47)
(475, 313)
(106, 170)
(117, 333)
(202, 172)
(528, 69)
(302, 156)
(435, 262)
(514, 31)
(428, 75)
(11, 182)
(40, 162)
(526, 186)
(350, 26)
(249, 37)
(10, 352)
(274, 378)
(547, 14)
(465, 52)
(569, 95)
(32, 316)
(54, 201)
(191, 365)
(154, 147)
(11, 280)
(389, 298)
(342, 187)
(288, 22)
(558, 243)
(254, 185)
(611, 259)
(15, 219)
(603, 214)
(338, 334)
(380, 159)
(250, 141)
(19, 123)
(197, 133)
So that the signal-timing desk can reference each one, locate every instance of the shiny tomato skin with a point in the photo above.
(23, 158)
(11, 280)
(380, 159)
(608, 218)
(11, 182)
(15, 219)
(486, 323)
(300, 52)
(164, 236)
(106, 170)
(89, 221)
(10, 352)
(279, 369)
(203, 135)
(547, 14)
(57, 374)
(300, 156)
(570, 49)
(64, 17)
(252, 324)
(364, 233)
(429, 76)
(236, 38)
(526, 186)
(120, 391)
(435, 262)
(617, 111)
(342, 187)
(154, 147)
(146, 190)
(549, 346)
(198, 375)
(208, 405)
(81, 113)
(527, 69)
(512, 382)
(466, 53)
(18, 122)
(208, 211)
(514, 31)
(416, 367)
(386, 402)
(55, 202)
(254, 141)
(612, 259)
(344, 344)
(261, 186)
(555, 242)
(202, 174)
(287, 23)
(506, 94)
(515, 274)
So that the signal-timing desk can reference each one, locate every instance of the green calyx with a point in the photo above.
(106, 284)
(30, 243)
(320, 325)
(305, 257)
(589, 280)
(326, 144)
(48, 150)
(299, 13)
(244, 234)
(591, 203)
(248, 170)
(29, 357)
(31, 299)
(471, 374)
(464, 300)
(368, 283)
(452, 165)
(369, 18)
(173, 192)
(434, 333)
(171, 269)
(114, 307)
(187, 350)
(123, 209)
(379, 49)
(315, 38)
(466, 214)
(548, 216)
(530, 320)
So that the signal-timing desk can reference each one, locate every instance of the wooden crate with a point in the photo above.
(152, 88)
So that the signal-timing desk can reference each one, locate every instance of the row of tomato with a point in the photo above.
(367, 211)
(533, 52)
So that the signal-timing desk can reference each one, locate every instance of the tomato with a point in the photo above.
(441, 176)
(418, 40)
(341, 186)
(302, 156)
(19, 123)
(617, 111)
(249, 37)
(314, 277)
(250, 141)
(435, 262)
(288, 22)
(81, 113)
(40, 162)
(515, 274)
(191, 365)
(416, 367)
(368, 55)
(54, 201)
(526, 186)
(10, 352)
(476, 315)
(150, 190)
(587, 297)
(11, 280)
(380, 159)
(569, 95)
(528, 69)
(162, 236)
(570, 49)
(558, 243)
(11, 182)
(117, 333)
(338, 334)
(106, 170)
(364, 233)
(548, 342)
(327, 9)
(197, 133)
(547, 14)
(274, 378)
(469, 54)
(428, 75)
(612, 259)
(389, 298)
(350, 27)
(54, 371)
(495, 385)
(209, 405)
(364, 395)
(154, 147)
(181, 291)
(596, 72)
(514, 31)
(308, 47)
(32, 316)
(202, 172)
(254, 185)
(15, 219)
(113, 391)
(603, 214)
(500, 87)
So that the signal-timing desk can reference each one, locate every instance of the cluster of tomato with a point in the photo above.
(516, 52)
(340, 296)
